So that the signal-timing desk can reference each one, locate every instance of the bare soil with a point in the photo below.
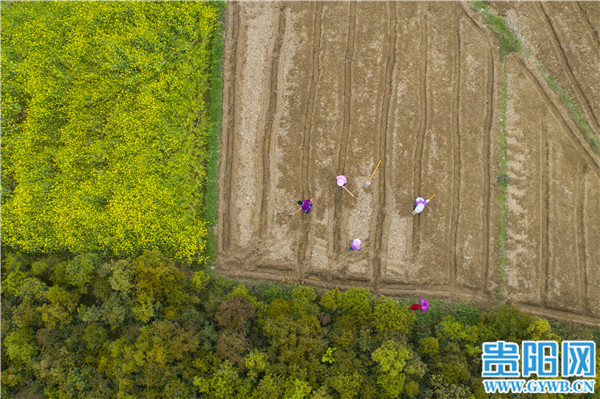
(317, 89)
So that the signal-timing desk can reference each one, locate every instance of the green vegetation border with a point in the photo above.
(509, 42)
(574, 110)
(214, 114)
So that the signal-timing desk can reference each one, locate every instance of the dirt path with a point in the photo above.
(317, 89)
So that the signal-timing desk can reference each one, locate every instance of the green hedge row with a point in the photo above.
(105, 126)
(147, 327)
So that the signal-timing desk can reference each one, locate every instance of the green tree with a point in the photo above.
(429, 346)
(391, 318)
(21, 347)
(224, 383)
(303, 302)
(395, 363)
(331, 300)
(356, 301)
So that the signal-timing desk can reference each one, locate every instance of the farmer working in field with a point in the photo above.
(306, 205)
(420, 204)
(355, 245)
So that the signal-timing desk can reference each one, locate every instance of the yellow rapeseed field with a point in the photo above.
(104, 126)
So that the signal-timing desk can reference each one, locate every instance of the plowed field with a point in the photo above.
(317, 89)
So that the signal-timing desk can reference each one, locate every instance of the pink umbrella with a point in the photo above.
(424, 305)
(355, 245)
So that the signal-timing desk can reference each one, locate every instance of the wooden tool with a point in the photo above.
(354, 196)
(372, 174)
(292, 214)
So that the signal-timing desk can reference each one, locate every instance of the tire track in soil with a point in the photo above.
(487, 197)
(588, 23)
(383, 131)
(345, 126)
(312, 89)
(456, 153)
(578, 140)
(279, 30)
(591, 237)
(416, 231)
(583, 303)
(233, 32)
(544, 210)
(569, 68)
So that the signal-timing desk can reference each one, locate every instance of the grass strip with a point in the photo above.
(574, 110)
(214, 114)
(503, 180)
(508, 40)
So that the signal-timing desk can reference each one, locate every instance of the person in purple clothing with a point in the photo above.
(306, 205)
(420, 205)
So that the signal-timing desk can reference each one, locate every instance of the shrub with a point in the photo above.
(390, 317)
(429, 346)
(356, 301)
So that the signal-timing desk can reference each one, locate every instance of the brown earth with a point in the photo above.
(317, 89)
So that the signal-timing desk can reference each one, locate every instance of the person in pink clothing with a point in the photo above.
(355, 245)
(341, 180)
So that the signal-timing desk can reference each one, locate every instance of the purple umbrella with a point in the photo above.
(424, 305)
(355, 245)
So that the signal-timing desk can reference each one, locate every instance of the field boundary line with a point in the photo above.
(228, 122)
(215, 112)
(565, 60)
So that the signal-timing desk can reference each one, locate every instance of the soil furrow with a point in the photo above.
(312, 89)
(569, 68)
(456, 154)
(585, 147)
(487, 197)
(271, 107)
(383, 132)
(580, 238)
(584, 17)
(343, 148)
(544, 211)
(348, 89)
(418, 157)
(523, 196)
(591, 236)
(233, 13)
(489, 172)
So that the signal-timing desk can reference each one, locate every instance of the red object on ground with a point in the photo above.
(416, 306)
